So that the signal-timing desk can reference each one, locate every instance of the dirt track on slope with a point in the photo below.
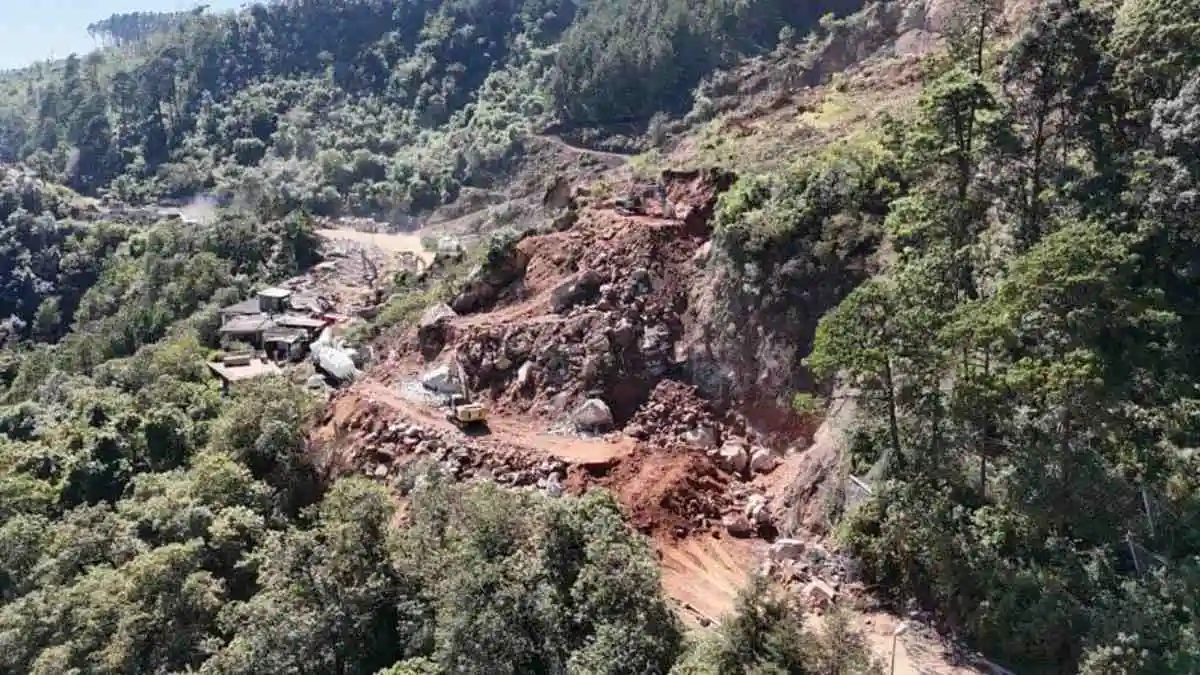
(507, 431)
(673, 491)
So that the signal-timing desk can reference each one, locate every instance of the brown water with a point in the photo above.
(398, 242)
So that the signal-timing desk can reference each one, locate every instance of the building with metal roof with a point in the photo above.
(243, 308)
(298, 321)
(285, 344)
(247, 328)
(234, 369)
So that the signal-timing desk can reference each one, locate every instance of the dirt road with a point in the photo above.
(505, 431)
(614, 158)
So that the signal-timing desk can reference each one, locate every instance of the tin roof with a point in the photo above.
(297, 321)
(244, 307)
(256, 368)
(281, 334)
(244, 325)
(305, 302)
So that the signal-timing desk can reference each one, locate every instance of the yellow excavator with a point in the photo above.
(462, 412)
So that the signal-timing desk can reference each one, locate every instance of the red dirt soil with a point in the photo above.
(672, 489)
(704, 574)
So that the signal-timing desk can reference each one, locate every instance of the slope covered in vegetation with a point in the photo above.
(150, 524)
(375, 106)
(1025, 365)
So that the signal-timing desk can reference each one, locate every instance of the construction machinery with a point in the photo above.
(461, 410)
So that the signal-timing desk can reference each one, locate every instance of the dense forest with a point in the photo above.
(375, 106)
(1025, 366)
(134, 27)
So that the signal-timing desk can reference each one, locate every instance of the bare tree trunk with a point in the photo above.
(1033, 227)
(893, 422)
(983, 472)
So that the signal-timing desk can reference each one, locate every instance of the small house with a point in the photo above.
(285, 344)
(243, 308)
(240, 368)
(248, 329)
(311, 326)
(274, 300)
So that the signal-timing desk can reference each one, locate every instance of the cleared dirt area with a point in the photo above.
(915, 653)
(391, 242)
(616, 342)
(503, 431)
(704, 574)
(629, 307)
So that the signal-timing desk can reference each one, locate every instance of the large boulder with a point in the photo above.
(476, 293)
(525, 374)
(738, 525)
(450, 248)
(757, 510)
(435, 314)
(558, 194)
(701, 437)
(576, 291)
(734, 456)
(333, 361)
(787, 549)
(592, 415)
(433, 329)
(762, 460)
(505, 263)
(441, 380)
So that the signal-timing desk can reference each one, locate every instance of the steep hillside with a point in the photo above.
(985, 257)
(790, 326)
(378, 107)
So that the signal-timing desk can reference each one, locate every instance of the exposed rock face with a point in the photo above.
(576, 291)
(587, 327)
(505, 264)
(819, 472)
(441, 380)
(433, 330)
(599, 311)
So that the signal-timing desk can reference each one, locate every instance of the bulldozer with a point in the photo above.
(464, 413)
(461, 411)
